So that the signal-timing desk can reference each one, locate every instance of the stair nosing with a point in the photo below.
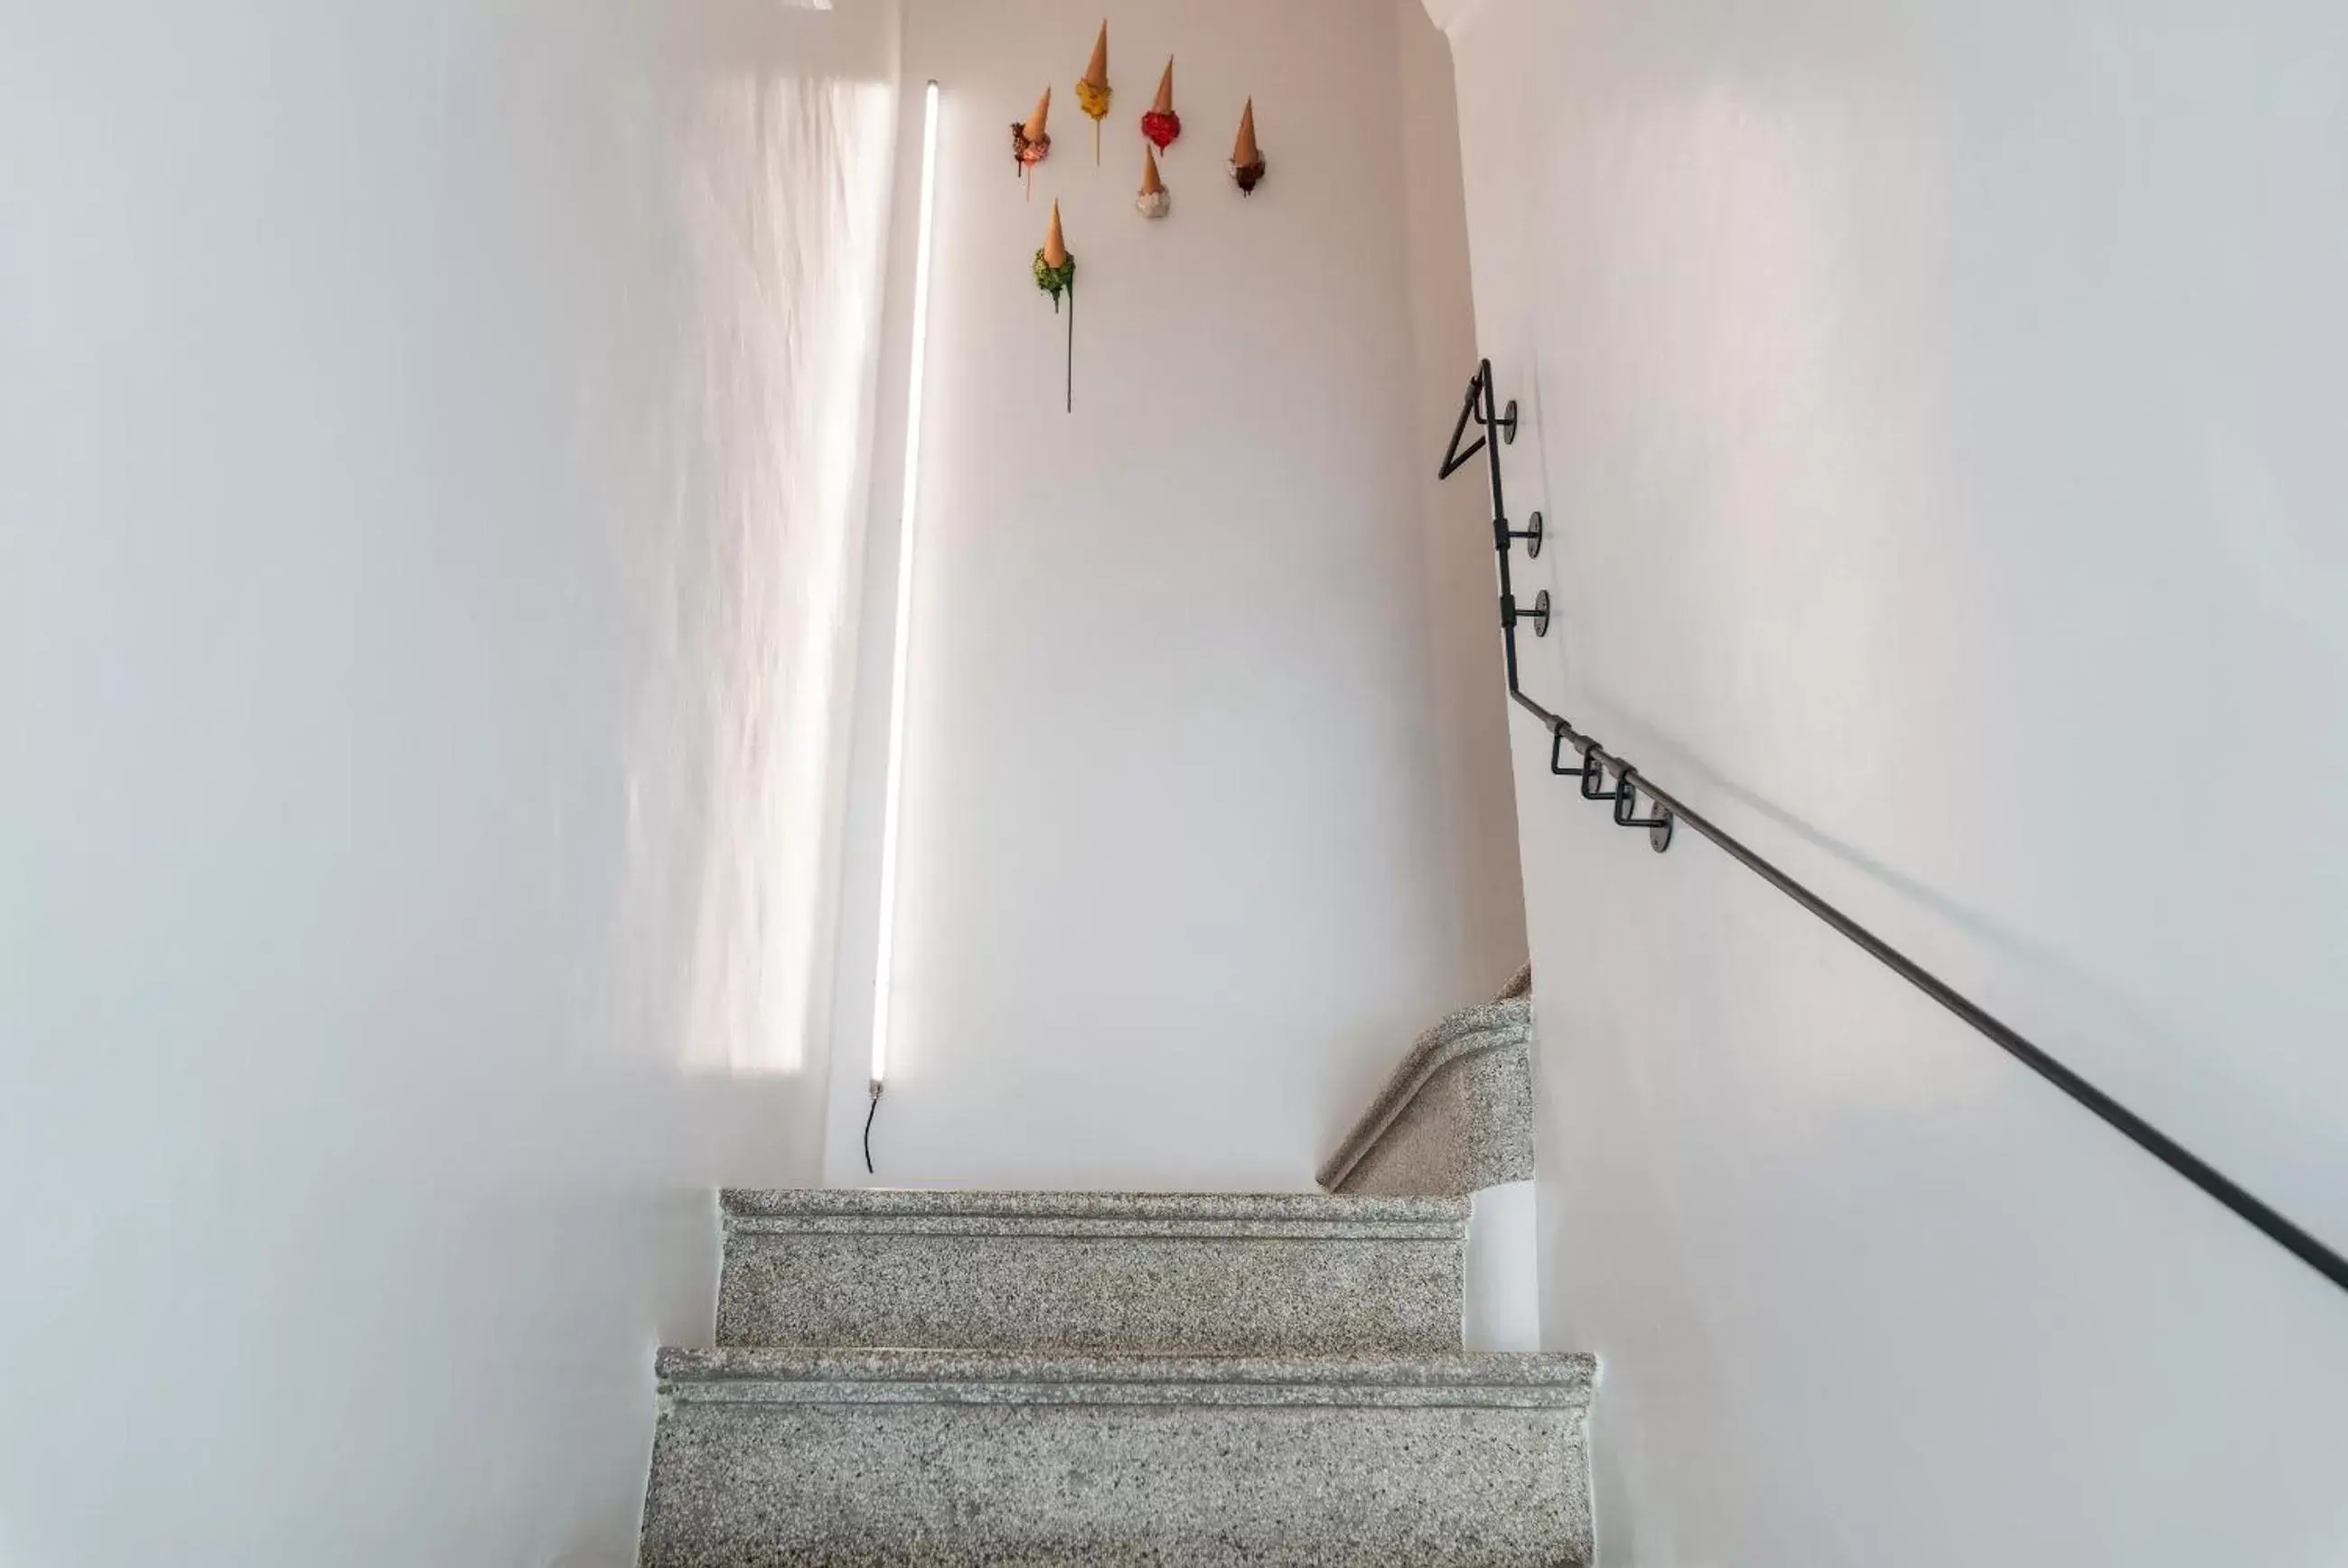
(729, 1374)
(833, 1208)
(1067, 1227)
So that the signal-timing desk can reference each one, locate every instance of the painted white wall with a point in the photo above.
(1486, 901)
(1936, 411)
(434, 441)
(1202, 821)
(1502, 1285)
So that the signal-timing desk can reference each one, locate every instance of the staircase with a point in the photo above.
(1094, 1377)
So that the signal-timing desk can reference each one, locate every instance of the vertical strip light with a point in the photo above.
(885, 952)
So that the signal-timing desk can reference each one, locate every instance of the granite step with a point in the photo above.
(1170, 1274)
(766, 1457)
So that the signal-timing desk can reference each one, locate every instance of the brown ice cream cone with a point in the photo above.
(1041, 119)
(1164, 102)
(1151, 184)
(1243, 150)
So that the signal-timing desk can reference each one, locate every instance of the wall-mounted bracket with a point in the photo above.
(1594, 773)
(1508, 425)
(1510, 613)
(1626, 796)
(1557, 756)
(1532, 536)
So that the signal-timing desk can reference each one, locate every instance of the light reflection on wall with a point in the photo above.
(781, 186)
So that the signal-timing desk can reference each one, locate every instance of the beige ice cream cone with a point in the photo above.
(1055, 247)
(1097, 68)
(1151, 184)
(1164, 102)
(1038, 122)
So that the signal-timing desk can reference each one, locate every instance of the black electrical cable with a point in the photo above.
(875, 1110)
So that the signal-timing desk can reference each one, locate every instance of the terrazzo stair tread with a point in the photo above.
(770, 1456)
(1179, 1273)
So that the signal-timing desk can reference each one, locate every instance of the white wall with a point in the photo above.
(1502, 1285)
(1477, 804)
(1935, 408)
(433, 437)
(1198, 828)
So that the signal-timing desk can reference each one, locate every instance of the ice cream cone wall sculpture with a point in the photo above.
(1247, 157)
(1160, 123)
(1030, 140)
(1055, 274)
(1152, 201)
(1092, 87)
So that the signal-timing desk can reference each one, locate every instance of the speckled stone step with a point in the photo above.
(1173, 1274)
(806, 1457)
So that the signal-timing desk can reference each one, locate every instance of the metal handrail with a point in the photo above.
(1479, 409)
